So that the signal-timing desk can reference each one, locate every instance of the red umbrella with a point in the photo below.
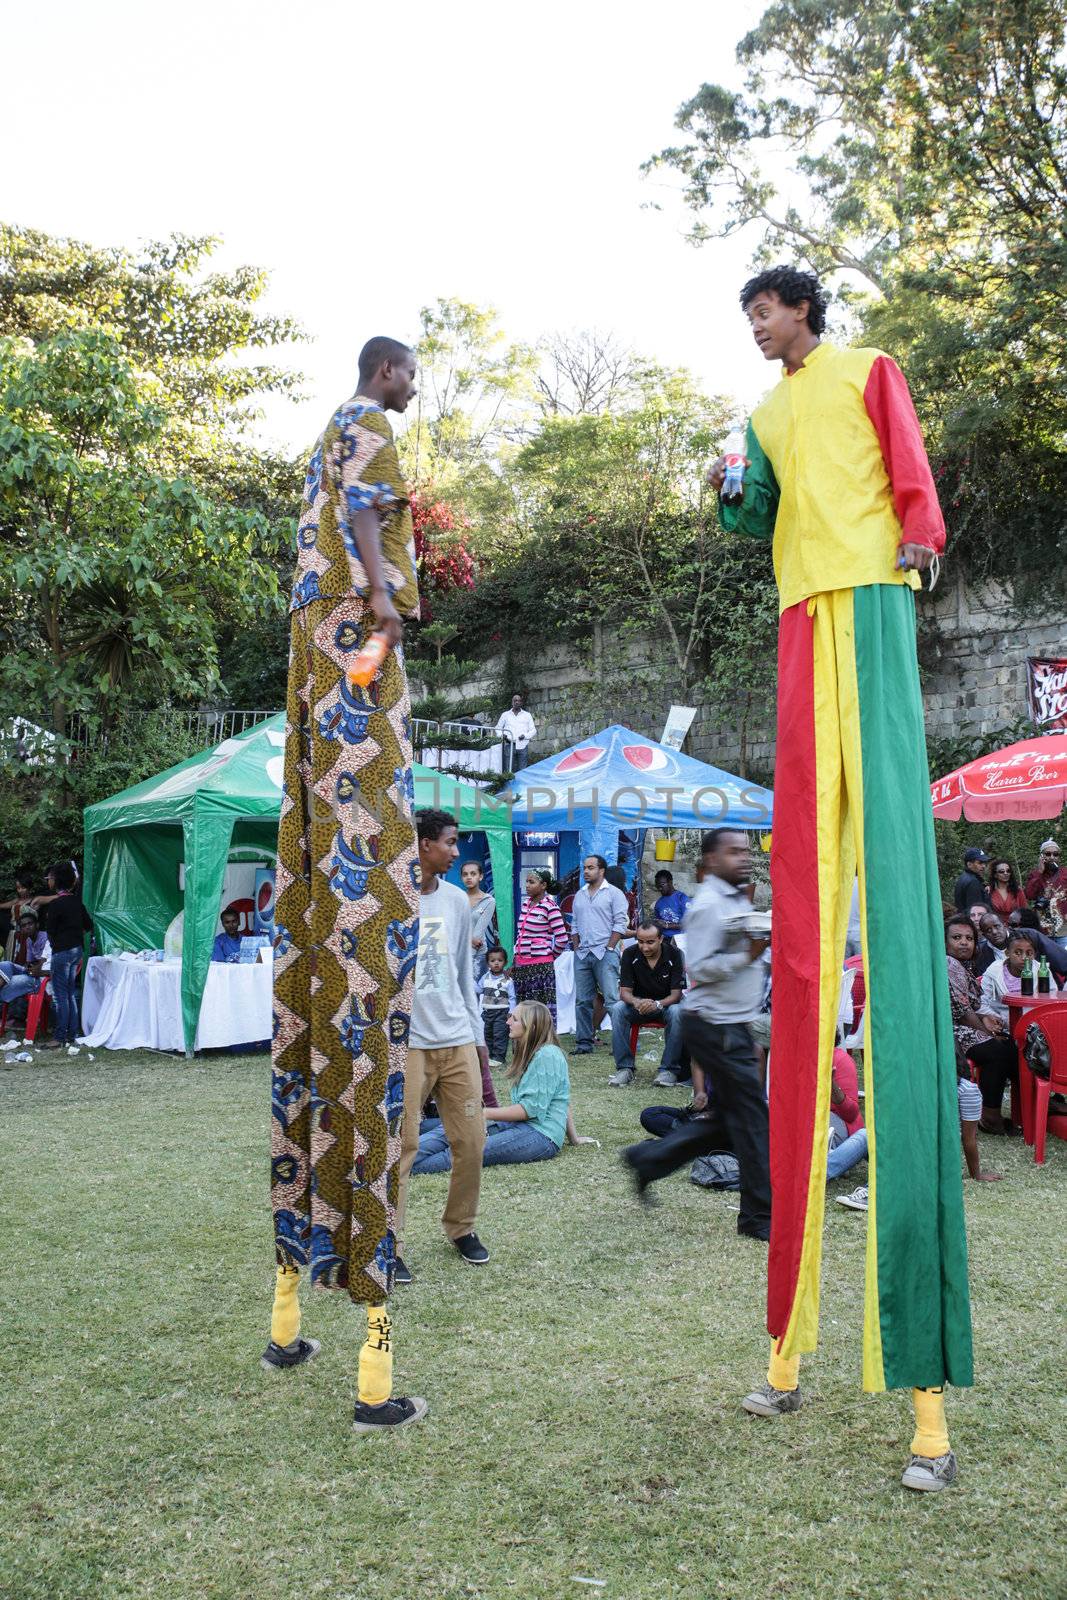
(1023, 782)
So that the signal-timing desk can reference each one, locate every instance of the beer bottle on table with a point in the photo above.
(1043, 975)
(1026, 982)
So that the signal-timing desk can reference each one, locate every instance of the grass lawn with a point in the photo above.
(583, 1387)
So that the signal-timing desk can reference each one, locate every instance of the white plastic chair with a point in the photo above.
(844, 1006)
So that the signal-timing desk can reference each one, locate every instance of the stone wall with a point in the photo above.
(972, 649)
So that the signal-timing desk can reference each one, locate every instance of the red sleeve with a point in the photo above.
(889, 406)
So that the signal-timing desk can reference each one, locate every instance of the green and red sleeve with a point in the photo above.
(892, 413)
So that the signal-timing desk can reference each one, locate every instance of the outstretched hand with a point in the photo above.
(915, 557)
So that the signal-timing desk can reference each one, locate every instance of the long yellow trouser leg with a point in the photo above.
(783, 1372)
(931, 1429)
(376, 1358)
(285, 1314)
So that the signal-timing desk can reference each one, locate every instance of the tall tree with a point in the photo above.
(475, 390)
(583, 374)
(113, 571)
(192, 353)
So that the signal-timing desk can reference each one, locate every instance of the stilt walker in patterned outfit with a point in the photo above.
(347, 888)
(838, 475)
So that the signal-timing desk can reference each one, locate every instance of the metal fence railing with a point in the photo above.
(21, 739)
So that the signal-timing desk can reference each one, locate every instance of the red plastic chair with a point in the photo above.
(36, 1004)
(1053, 1023)
(635, 1028)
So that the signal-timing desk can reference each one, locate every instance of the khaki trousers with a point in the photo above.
(454, 1078)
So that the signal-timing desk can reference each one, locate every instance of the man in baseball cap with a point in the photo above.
(970, 887)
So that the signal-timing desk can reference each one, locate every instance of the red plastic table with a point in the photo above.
(1018, 1005)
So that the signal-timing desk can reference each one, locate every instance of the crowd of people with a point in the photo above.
(991, 883)
(710, 1005)
(44, 942)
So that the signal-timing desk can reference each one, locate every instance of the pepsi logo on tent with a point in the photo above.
(645, 757)
(578, 760)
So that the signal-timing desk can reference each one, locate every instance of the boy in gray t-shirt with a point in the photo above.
(446, 1057)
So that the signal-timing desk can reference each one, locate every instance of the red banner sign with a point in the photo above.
(1047, 691)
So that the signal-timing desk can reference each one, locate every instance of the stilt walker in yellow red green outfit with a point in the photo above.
(837, 474)
(347, 889)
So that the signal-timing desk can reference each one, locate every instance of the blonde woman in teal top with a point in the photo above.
(538, 1120)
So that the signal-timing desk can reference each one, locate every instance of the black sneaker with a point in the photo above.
(472, 1249)
(393, 1413)
(276, 1358)
(642, 1185)
(402, 1272)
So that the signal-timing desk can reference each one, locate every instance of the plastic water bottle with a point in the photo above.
(733, 485)
(368, 660)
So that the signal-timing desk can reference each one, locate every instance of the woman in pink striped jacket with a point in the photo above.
(541, 937)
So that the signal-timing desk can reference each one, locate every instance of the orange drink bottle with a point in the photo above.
(368, 661)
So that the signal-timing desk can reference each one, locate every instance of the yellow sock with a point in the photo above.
(285, 1315)
(931, 1429)
(782, 1372)
(376, 1359)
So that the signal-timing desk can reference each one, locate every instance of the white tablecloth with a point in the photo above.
(137, 1005)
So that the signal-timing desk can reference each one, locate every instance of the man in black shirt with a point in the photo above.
(969, 889)
(651, 980)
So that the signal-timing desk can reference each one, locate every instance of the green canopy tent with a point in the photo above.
(202, 811)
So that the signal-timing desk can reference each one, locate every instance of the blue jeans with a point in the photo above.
(843, 1157)
(590, 974)
(506, 1143)
(623, 1018)
(15, 982)
(65, 965)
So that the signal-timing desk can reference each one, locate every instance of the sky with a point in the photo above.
(375, 158)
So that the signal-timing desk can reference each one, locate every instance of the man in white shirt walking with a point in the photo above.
(446, 1043)
(516, 728)
(600, 916)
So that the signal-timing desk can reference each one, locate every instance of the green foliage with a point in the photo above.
(43, 816)
(928, 152)
(476, 393)
(113, 571)
(145, 544)
(609, 522)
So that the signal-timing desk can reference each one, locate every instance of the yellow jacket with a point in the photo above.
(838, 476)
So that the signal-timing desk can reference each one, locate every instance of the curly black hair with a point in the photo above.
(430, 824)
(791, 287)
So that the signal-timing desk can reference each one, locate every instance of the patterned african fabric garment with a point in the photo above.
(852, 796)
(536, 980)
(354, 468)
(346, 941)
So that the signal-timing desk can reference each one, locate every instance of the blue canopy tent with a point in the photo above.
(618, 781)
